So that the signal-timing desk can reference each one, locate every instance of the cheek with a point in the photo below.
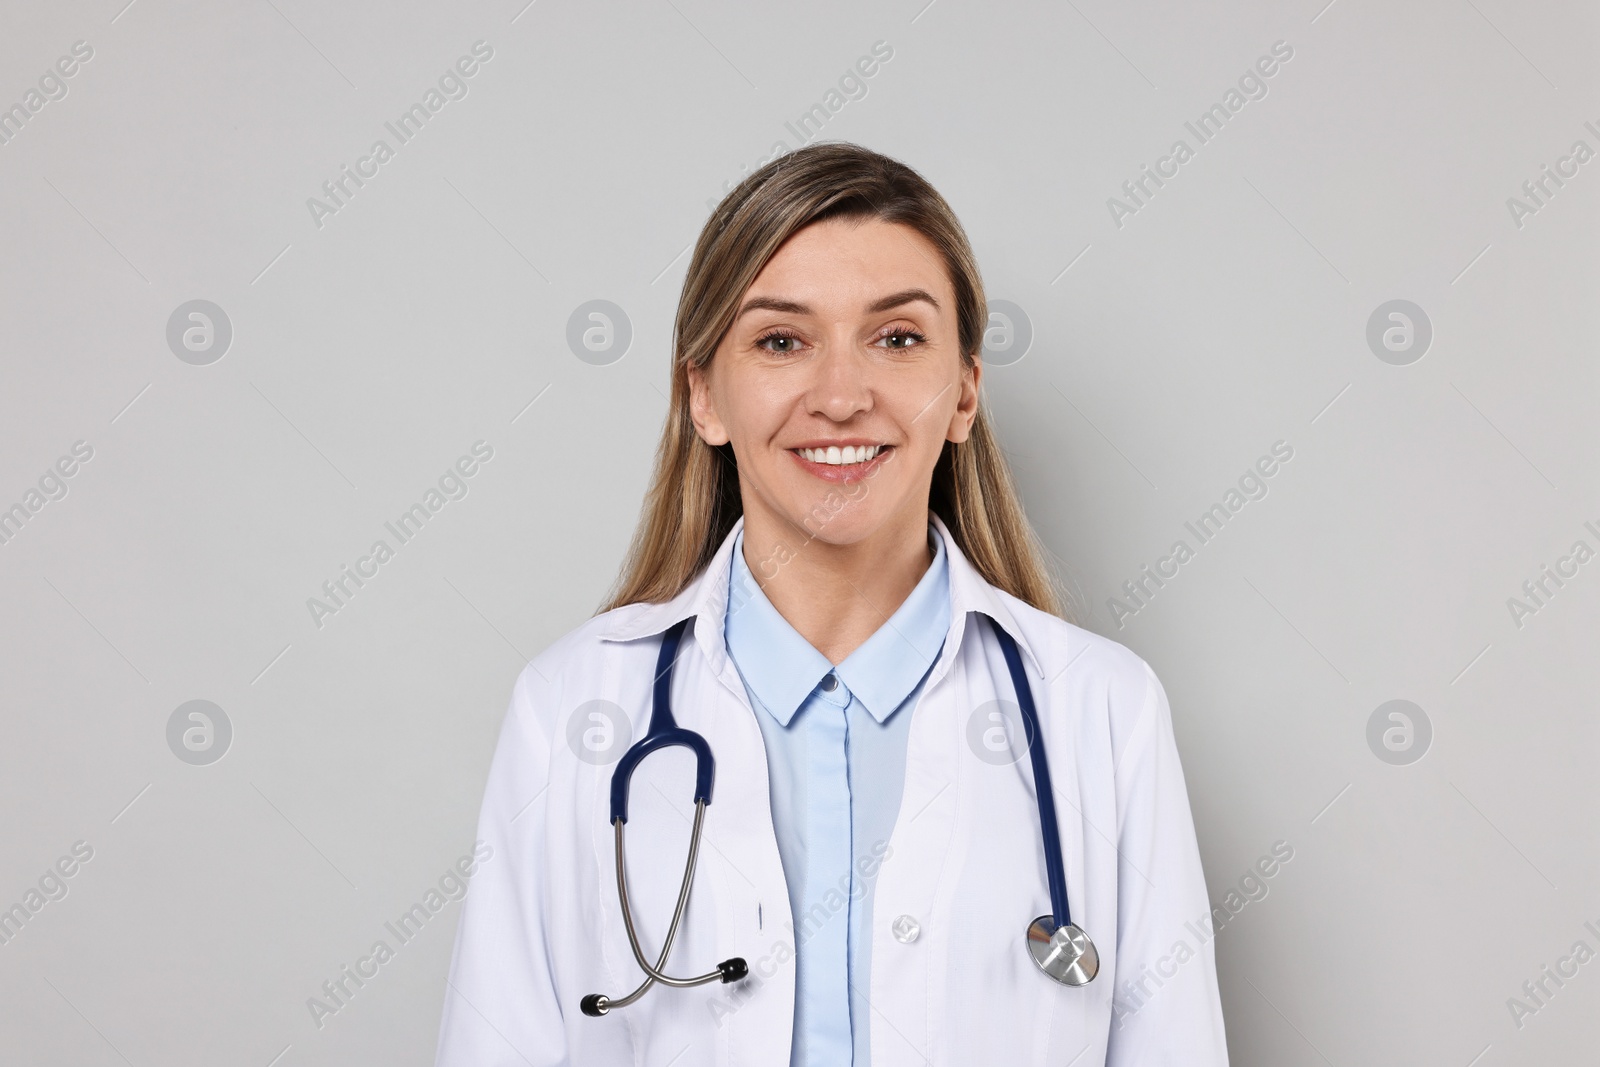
(757, 419)
(928, 413)
(762, 409)
(753, 429)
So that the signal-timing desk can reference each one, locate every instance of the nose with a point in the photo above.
(842, 385)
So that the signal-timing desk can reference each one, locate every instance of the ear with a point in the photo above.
(967, 403)
(702, 409)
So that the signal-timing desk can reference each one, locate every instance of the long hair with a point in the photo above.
(693, 500)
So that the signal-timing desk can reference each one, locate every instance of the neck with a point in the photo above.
(837, 596)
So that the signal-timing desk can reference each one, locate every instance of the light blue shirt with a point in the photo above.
(835, 740)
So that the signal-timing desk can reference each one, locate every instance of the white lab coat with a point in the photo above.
(541, 926)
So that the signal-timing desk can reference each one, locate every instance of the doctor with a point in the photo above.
(833, 522)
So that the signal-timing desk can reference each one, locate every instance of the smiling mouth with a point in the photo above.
(848, 456)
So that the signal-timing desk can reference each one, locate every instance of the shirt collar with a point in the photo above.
(782, 668)
(706, 598)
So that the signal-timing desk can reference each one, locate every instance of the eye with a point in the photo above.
(901, 338)
(782, 341)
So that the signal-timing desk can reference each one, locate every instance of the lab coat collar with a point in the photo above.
(706, 598)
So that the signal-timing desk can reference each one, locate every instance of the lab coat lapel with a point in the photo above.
(911, 983)
(739, 861)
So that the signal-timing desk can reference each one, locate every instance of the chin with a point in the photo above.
(843, 527)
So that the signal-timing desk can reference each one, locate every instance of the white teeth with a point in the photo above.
(836, 456)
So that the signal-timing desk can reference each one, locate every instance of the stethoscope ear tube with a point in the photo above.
(730, 970)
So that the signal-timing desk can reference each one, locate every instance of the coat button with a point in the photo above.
(905, 929)
(830, 682)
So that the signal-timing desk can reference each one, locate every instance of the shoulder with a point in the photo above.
(1067, 649)
(571, 662)
(1092, 674)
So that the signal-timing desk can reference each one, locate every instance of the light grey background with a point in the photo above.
(431, 312)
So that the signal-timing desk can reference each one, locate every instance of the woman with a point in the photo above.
(833, 533)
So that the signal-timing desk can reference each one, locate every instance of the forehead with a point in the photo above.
(853, 259)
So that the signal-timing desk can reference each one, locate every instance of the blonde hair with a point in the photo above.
(693, 500)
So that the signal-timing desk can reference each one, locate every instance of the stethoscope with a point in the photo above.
(1057, 945)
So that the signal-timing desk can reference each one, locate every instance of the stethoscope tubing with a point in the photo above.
(664, 733)
(1054, 865)
(1060, 939)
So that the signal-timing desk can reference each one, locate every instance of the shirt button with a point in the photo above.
(905, 929)
(830, 683)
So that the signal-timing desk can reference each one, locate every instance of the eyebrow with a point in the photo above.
(790, 307)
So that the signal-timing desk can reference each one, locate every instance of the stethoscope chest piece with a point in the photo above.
(1065, 954)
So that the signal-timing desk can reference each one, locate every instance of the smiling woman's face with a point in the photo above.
(838, 384)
